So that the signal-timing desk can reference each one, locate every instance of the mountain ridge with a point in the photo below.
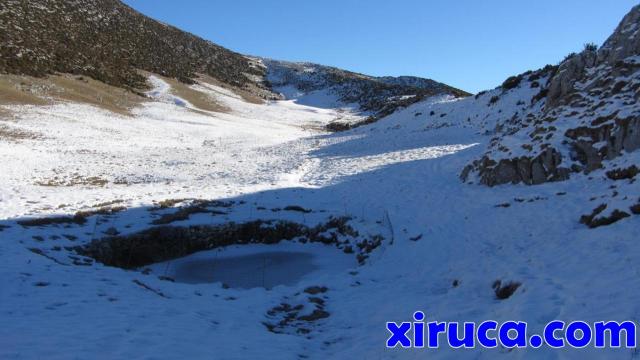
(110, 42)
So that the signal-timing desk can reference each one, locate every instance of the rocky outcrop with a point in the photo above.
(594, 219)
(592, 145)
(531, 171)
(570, 71)
(163, 243)
(624, 42)
(586, 113)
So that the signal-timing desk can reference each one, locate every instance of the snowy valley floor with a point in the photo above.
(398, 178)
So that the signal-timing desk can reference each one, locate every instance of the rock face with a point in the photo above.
(109, 41)
(531, 171)
(623, 135)
(163, 243)
(570, 71)
(586, 113)
(624, 42)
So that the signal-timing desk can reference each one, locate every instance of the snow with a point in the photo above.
(160, 92)
(165, 151)
(398, 177)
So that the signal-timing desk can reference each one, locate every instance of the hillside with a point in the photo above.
(325, 86)
(109, 41)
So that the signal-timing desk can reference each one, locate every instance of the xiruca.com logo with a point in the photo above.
(509, 334)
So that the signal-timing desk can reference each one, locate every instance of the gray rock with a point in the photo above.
(624, 42)
(570, 71)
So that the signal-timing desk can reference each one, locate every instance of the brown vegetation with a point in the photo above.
(29, 90)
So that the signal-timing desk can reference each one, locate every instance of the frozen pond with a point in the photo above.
(257, 265)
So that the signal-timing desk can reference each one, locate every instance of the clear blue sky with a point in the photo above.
(470, 44)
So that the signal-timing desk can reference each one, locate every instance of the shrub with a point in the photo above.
(338, 126)
(569, 56)
(590, 47)
(511, 82)
(539, 96)
(622, 174)
(297, 208)
(480, 93)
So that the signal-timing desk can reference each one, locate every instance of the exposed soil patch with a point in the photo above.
(298, 319)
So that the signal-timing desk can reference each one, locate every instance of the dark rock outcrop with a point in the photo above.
(622, 135)
(593, 220)
(531, 171)
(163, 243)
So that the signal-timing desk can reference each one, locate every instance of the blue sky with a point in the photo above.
(471, 44)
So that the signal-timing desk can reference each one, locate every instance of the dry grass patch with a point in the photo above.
(28, 90)
(198, 99)
(74, 181)
(22, 90)
(86, 90)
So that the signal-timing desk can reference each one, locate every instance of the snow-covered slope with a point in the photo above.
(174, 178)
(329, 87)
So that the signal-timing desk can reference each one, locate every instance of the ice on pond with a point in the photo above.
(257, 265)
